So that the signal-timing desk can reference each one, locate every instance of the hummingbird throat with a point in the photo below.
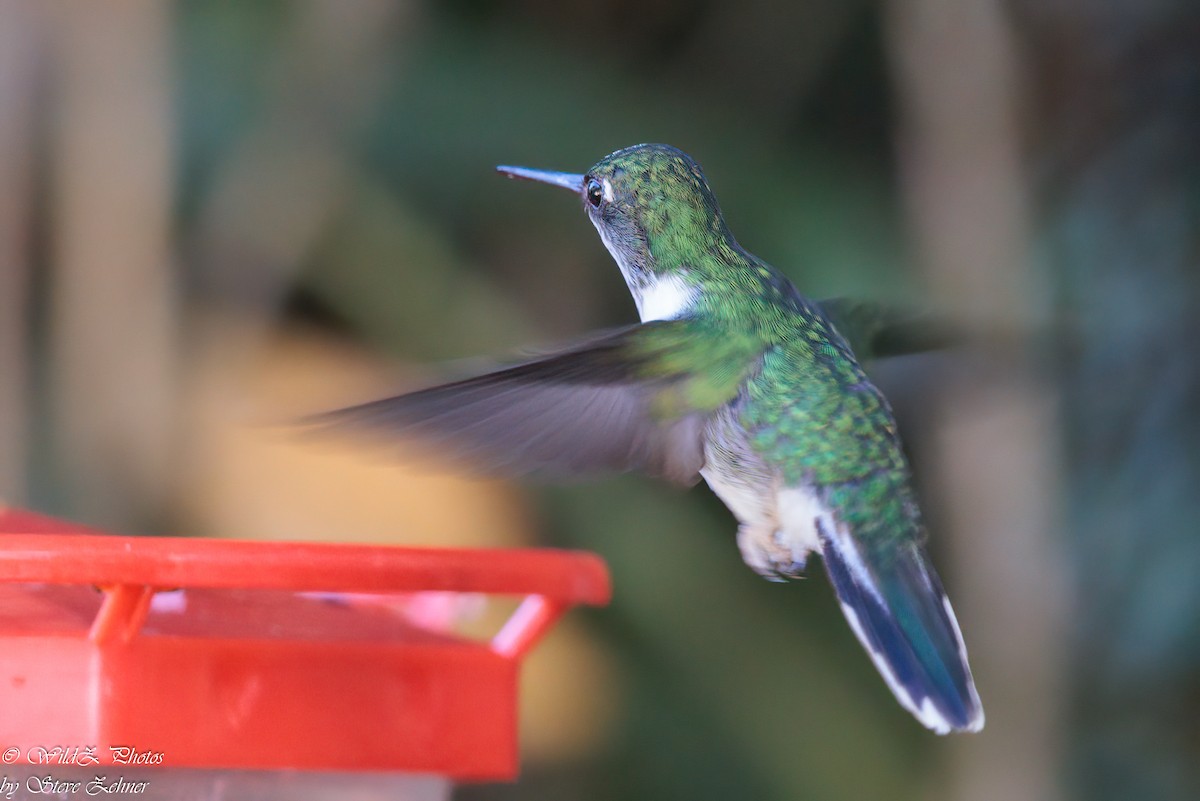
(658, 296)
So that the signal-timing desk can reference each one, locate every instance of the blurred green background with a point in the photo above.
(215, 214)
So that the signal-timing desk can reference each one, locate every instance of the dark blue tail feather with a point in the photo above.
(896, 605)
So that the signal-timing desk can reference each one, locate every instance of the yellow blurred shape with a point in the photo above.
(254, 476)
(570, 695)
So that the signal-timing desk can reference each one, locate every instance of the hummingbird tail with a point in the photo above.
(901, 615)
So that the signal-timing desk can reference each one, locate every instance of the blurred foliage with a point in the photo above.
(1122, 230)
(334, 171)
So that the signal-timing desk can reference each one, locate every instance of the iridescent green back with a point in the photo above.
(815, 417)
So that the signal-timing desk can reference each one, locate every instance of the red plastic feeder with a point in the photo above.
(221, 658)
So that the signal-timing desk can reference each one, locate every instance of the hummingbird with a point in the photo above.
(735, 377)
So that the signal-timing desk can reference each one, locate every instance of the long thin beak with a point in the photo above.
(566, 180)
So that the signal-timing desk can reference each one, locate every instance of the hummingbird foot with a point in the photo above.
(771, 553)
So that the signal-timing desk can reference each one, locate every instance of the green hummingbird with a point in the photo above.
(734, 376)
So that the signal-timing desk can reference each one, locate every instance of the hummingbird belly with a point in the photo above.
(777, 524)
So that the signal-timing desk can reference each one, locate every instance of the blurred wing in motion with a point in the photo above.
(595, 406)
(879, 330)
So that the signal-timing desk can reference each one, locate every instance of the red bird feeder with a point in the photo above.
(277, 668)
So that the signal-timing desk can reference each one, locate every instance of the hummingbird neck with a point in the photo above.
(660, 291)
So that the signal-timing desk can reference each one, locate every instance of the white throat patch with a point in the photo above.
(664, 298)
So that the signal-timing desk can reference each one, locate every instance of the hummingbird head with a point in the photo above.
(654, 211)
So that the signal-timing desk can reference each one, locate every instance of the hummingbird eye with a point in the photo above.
(594, 192)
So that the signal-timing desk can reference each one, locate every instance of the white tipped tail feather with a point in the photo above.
(902, 617)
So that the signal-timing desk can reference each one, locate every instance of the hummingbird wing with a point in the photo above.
(879, 330)
(623, 400)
